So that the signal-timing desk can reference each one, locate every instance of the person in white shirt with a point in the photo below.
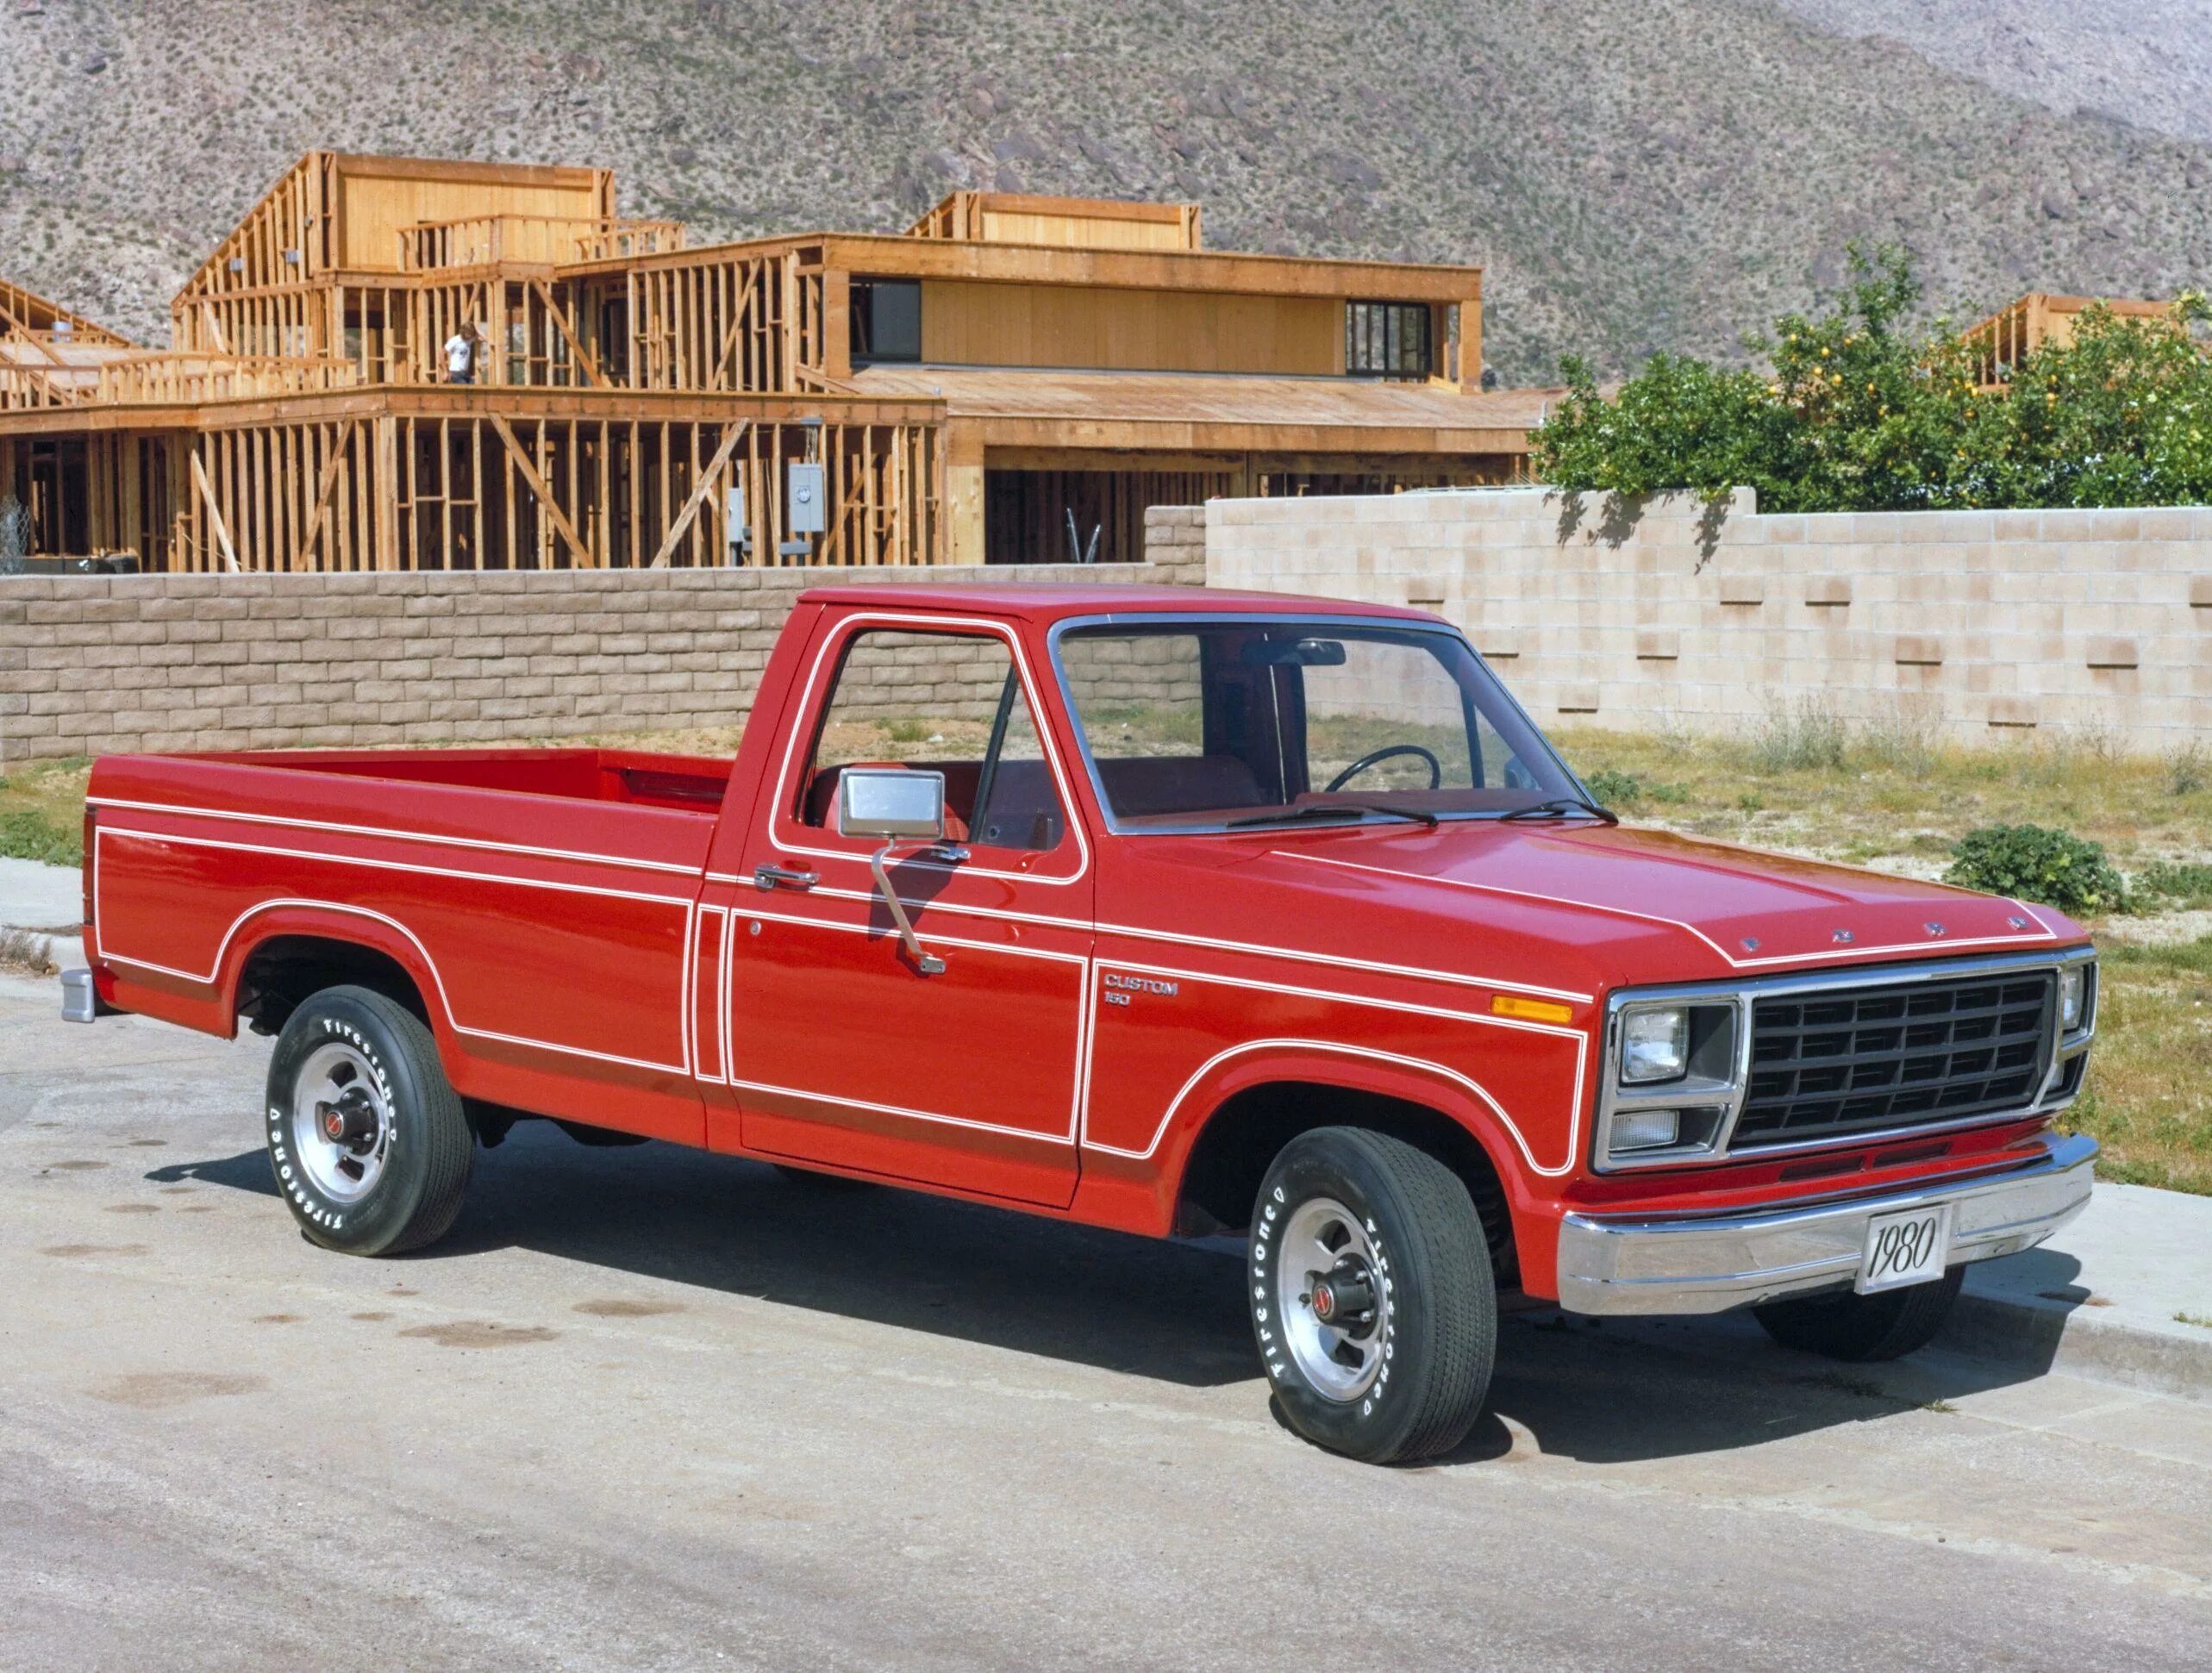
(460, 354)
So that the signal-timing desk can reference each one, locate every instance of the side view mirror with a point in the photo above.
(894, 805)
(890, 803)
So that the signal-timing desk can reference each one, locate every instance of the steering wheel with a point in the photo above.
(1376, 757)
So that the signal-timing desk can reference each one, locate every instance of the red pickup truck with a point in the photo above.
(1185, 913)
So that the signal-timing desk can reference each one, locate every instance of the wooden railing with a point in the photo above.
(160, 379)
(622, 239)
(487, 241)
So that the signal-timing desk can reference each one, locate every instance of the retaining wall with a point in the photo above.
(1975, 624)
(96, 664)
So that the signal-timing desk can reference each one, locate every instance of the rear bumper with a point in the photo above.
(80, 1001)
(1617, 1264)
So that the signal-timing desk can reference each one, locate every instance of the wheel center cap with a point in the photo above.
(350, 1122)
(1343, 1297)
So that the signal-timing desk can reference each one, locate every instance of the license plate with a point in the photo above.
(1910, 1247)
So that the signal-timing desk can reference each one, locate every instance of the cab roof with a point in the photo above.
(1041, 603)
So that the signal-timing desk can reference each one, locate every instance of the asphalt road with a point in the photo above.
(650, 1409)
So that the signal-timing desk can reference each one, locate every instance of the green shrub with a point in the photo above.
(2030, 863)
(1614, 788)
(25, 834)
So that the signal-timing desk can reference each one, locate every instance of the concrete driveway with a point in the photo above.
(650, 1409)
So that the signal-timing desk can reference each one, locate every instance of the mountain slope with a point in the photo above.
(1636, 174)
(2147, 63)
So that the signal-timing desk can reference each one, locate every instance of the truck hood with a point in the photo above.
(1738, 910)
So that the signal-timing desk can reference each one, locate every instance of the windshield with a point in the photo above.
(1208, 726)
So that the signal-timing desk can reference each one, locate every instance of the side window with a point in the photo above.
(1139, 695)
(949, 702)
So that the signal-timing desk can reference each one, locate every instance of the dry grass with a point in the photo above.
(25, 955)
(2147, 1102)
(1889, 797)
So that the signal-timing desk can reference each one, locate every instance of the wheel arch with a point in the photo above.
(283, 951)
(1257, 1097)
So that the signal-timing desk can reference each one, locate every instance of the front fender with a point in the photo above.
(1451, 1092)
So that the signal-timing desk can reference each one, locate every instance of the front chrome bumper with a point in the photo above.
(80, 1001)
(1618, 1265)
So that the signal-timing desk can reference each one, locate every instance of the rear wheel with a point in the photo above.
(371, 1147)
(1371, 1296)
(1884, 1326)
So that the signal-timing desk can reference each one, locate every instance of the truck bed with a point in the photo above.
(545, 901)
(638, 777)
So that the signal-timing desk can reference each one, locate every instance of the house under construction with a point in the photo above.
(1013, 378)
(2005, 338)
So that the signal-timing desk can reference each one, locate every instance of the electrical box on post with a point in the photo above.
(804, 511)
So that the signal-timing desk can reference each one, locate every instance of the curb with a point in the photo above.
(2069, 1337)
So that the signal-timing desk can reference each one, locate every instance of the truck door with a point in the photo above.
(844, 1050)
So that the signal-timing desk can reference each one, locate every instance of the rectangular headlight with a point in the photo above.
(1655, 1046)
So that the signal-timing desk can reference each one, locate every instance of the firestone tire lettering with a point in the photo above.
(1430, 1263)
(427, 1147)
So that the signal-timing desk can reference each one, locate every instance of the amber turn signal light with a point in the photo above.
(1530, 1010)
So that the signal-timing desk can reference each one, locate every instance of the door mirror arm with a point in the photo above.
(927, 963)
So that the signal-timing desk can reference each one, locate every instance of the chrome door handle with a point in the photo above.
(766, 877)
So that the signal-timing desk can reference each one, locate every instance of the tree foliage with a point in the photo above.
(1858, 411)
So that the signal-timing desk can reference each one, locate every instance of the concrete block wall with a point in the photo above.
(1979, 625)
(91, 664)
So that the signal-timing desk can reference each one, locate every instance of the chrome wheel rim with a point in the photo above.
(341, 1123)
(1332, 1294)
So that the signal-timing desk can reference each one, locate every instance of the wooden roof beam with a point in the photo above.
(884, 255)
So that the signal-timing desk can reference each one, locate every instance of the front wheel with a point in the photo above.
(369, 1142)
(1371, 1296)
(1887, 1324)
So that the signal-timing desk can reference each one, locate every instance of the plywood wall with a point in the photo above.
(378, 197)
(1080, 223)
(964, 323)
(1082, 232)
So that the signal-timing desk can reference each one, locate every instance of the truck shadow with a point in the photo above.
(1618, 1391)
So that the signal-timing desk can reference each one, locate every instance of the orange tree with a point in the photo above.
(1857, 411)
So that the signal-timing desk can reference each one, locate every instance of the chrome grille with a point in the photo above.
(1843, 1061)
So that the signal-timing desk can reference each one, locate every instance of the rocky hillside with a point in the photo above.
(1636, 174)
(2146, 63)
